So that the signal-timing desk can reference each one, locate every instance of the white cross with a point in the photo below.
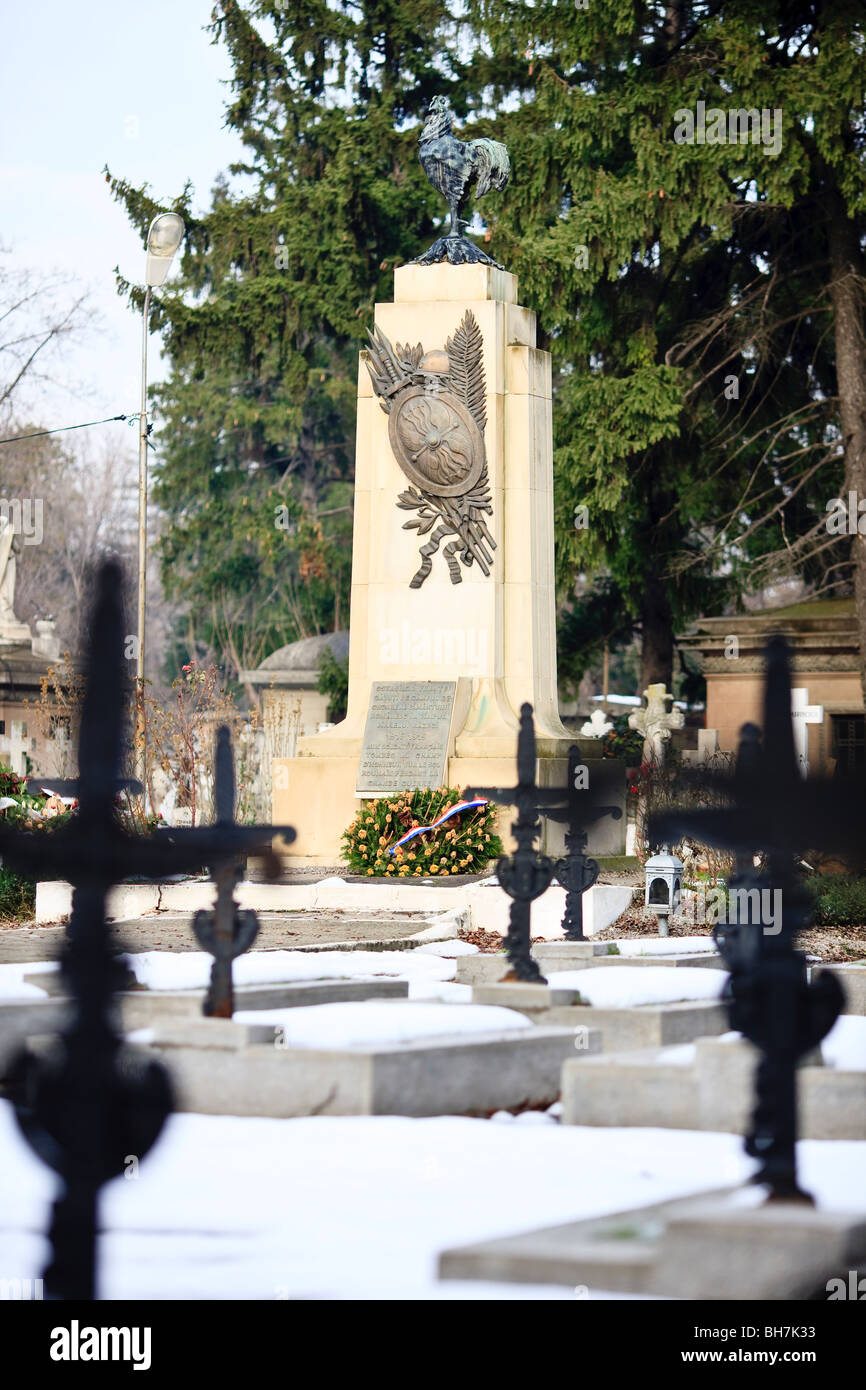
(802, 713)
(16, 747)
(596, 726)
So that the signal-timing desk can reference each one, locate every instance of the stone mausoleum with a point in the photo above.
(826, 670)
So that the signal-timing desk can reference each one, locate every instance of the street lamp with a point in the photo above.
(163, 238)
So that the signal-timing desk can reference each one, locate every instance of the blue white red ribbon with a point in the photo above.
(422, 829)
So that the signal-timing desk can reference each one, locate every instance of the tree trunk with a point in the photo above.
(847, 297)
(657, 645)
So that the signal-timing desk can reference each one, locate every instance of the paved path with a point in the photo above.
(169, 931)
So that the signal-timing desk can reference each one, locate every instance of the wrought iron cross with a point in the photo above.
(91, 1103)
(772, 808)
(575, 871)
(226, 931)
(525, 874)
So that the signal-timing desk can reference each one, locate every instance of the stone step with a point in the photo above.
(714, 1091)
(720, 1245)
(637, 1026)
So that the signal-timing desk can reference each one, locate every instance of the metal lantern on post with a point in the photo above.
(663, 887)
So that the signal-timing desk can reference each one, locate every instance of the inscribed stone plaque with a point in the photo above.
(406, 735)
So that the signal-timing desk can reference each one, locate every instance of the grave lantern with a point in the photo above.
(664, 886)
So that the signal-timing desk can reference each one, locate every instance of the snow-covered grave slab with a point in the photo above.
(697, 951)
(634, 1008)
(389, 1058)
(171, 985)
(728, 1244)
(710, 1086)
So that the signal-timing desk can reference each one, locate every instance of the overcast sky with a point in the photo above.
(138, 87)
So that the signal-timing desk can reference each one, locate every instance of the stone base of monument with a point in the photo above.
(637, 1026)
(709, 1086)
(225, 1068)
(720, 1245)
(602, 904)
(485, 906)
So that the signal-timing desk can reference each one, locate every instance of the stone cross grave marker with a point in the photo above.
(656, 722)
(16, 747)
(803, 714)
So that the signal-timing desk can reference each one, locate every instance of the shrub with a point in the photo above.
(839, 901)
(333, 681)
(17, 896)
(463, 845)
(623, 742)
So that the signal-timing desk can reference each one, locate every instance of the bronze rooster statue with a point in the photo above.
(453, 166)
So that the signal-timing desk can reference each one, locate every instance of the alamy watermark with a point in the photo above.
(21, 1290)
(77, 1343)
(735, 906)
(846, 517)
(24, 516)
(738, 125)
(407, 645)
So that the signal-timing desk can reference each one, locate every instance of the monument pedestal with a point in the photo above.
(493, 634)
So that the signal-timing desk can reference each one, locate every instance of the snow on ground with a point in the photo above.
(447, 948)
(845, 1044)
(446, 991)
(621, 986)
(191, 969)
(13, 985)
(358, 1208)
(382, 1021)
(666, 946)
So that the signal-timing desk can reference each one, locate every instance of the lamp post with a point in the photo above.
(163, 238)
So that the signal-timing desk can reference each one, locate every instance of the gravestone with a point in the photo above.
(15, 747)
(802, 715)
(406, 736)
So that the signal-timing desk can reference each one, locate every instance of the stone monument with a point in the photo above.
(452, 565)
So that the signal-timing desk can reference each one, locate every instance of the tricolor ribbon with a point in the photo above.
(422, 829)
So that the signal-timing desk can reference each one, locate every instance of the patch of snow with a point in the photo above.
(375, 1021)
(191, 969)
(667, 946)
(446, 991)
(621, 987)
(845, 1044)
(447, 948)
(14, 986)
(143, 1036)
(683, 1055)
